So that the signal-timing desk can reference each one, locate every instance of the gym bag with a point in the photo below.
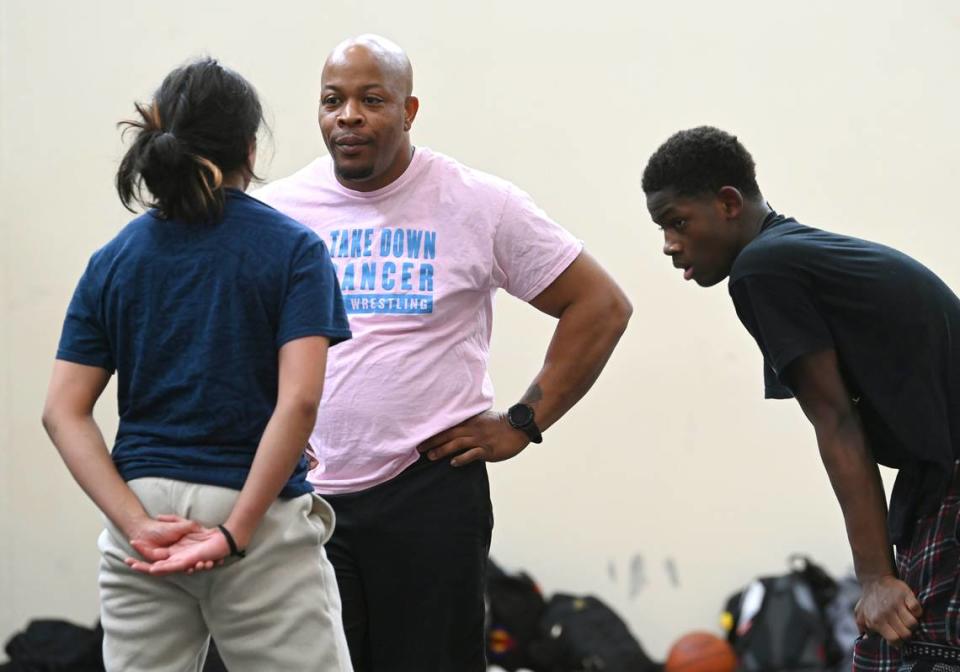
(514, 608)
(582, 634)
(55, 646)
(779, 624)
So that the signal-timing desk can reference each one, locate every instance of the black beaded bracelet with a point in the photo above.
(232, 543)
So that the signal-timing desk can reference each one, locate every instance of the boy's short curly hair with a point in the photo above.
(701, 160)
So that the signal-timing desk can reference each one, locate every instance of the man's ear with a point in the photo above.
(731, 201)
(410, 108)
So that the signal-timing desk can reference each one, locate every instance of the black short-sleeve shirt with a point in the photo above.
(895, 327)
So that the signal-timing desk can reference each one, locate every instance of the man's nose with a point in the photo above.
(350, 115)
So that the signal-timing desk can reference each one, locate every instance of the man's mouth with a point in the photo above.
(351, 140)
(351, 144)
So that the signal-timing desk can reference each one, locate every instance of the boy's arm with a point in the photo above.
(888, 606)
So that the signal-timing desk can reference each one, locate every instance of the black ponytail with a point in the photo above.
(201, 125)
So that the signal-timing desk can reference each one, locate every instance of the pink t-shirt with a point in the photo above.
(418, 262)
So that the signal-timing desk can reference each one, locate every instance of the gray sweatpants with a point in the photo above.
(277, 609)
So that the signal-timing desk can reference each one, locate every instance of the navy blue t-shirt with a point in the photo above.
(191, 317)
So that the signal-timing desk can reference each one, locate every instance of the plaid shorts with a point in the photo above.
(930, 567)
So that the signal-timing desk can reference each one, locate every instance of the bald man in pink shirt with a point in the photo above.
(421, 243)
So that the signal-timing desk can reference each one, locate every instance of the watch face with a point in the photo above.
(520, 415)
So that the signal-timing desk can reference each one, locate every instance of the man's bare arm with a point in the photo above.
(592, 313)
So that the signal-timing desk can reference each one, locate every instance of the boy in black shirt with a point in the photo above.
(868, 341)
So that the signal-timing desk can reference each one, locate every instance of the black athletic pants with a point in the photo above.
(410, 557)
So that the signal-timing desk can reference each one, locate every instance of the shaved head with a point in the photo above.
(391, 59)
(367, 108)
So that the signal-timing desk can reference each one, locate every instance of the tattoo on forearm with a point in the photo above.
(532, 395)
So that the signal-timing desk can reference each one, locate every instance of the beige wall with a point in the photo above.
(850, 110)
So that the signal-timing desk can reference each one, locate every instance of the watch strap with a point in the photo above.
(529, 427)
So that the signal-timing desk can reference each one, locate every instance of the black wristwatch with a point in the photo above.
(520, 416)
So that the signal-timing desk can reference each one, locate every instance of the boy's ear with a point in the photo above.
(731, 200)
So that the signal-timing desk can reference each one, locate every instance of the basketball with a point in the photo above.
(700, 652)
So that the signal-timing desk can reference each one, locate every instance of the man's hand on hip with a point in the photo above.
(487, 437)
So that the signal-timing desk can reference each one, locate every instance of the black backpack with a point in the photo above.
(55, 646)
(843, 623)
(514, 608)
(778, 623)
(582, 634)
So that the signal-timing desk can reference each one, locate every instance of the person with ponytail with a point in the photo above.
(216, 312)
